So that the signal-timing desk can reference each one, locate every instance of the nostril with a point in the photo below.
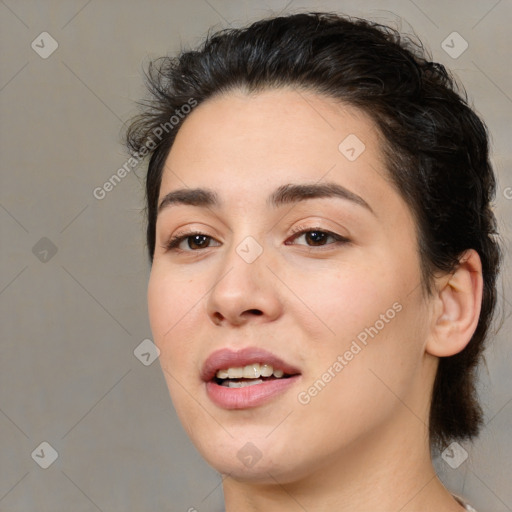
(218, 317)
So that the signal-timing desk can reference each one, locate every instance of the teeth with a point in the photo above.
(251, 371)
(266, 370)
(235, 373)
(241, 384)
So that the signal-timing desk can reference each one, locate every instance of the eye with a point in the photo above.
(193, 240)
(315, 237)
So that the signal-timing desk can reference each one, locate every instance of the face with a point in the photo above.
(285, 298)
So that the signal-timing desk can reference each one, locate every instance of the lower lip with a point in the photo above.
(248, 396)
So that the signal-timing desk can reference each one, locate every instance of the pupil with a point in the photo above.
(316, 236)
(194, 239)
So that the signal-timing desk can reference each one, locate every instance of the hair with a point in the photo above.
(435, 147)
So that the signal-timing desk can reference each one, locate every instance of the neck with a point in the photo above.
(380, 472)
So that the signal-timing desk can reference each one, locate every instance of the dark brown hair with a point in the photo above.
(436, 147)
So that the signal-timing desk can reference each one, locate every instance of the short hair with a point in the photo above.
(435, 147)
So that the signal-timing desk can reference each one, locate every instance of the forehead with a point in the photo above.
(253, 143)
(289, 122)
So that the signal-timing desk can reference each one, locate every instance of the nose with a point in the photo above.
(244, 292)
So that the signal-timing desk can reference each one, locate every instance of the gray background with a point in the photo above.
(71, 320)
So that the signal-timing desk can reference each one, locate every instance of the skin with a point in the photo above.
(362, 442)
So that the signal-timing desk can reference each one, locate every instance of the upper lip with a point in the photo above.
(229, 358)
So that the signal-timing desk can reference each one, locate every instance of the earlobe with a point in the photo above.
(459, 300)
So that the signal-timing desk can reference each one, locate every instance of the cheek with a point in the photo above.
(173, 304)
(372, 381)
(371, 319)
(342, 303)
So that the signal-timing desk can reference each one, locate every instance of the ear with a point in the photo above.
(457, 307)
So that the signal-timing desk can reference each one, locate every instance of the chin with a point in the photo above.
(264, 471)
(257, 458)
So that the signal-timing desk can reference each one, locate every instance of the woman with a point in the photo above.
(323, 261)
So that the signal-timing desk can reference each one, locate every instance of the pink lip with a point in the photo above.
(249, 396)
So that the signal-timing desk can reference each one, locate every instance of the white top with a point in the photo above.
(467, 506)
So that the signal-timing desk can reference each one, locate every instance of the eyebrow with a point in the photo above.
(286, 194)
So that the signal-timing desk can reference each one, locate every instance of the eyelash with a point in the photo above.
(301, 230)
(175, 241)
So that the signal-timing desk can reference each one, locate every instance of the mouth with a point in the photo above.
(246, 378)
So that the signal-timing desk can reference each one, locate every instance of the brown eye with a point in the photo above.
(315, 237)
(194, 242)
(197, 241)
